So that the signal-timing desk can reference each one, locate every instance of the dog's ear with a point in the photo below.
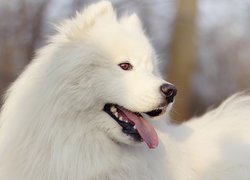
(132, 22)
(77, 26)
(94, 12)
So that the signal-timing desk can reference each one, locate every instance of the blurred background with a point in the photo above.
(203, 45)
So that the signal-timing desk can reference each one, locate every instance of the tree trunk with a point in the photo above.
(182, 58)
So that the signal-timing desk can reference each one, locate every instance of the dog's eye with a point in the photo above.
(126, 66)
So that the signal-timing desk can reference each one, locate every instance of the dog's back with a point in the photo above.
(214, 146)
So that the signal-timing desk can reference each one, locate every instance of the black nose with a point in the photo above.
(169, 92)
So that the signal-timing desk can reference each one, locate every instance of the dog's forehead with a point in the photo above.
(122, 45)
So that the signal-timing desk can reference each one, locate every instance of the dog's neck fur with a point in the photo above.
(61, 157)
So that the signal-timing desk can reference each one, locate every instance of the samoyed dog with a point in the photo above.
(86, 108)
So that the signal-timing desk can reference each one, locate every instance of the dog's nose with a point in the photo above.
(169, 92)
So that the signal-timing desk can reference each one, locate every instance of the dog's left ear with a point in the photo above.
(132, 22)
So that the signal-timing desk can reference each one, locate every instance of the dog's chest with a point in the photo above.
(139, 175)
(144, 170)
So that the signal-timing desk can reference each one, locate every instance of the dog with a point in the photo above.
(92, 106)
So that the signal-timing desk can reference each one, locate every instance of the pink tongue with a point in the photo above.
(146, 131)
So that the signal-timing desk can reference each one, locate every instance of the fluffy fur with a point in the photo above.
(53, 126)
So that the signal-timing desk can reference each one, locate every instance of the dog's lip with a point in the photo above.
(133, 124)
(156, 112)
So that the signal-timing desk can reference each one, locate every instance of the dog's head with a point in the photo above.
(110, 68)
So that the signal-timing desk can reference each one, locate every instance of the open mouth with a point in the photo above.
(133, 124)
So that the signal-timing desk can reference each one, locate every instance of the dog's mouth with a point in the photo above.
(133, 124)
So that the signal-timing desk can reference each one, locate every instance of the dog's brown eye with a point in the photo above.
(126, 66)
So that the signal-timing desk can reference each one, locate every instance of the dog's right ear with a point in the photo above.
(77, 26)
(94, 12)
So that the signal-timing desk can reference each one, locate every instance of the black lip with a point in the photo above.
(127, 128)
(154, 113)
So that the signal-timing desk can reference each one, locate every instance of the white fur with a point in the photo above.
(53, 126)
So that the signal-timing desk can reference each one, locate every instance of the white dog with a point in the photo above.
(82, 110)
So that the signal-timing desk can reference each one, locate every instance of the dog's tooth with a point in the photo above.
(126, 121)
(120, 118)
(113, 109)
(116, 114)
(134, 127)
